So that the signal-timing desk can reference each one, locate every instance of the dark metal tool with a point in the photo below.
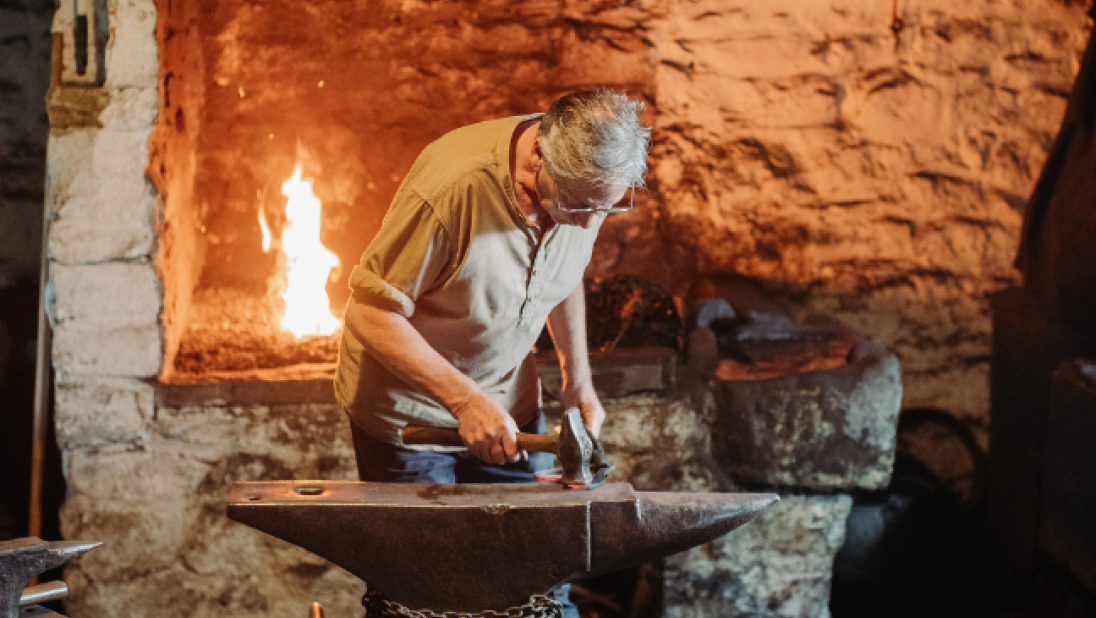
(475, 547)
(580, 455)
(23, 559)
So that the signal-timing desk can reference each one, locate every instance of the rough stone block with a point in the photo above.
(621, 372)
(132, 59)
(294, 441)
(826, 429)
(139, 537)
(102, 412)
(145, 474)
(81, 242)
(68, 155)
(131, 108)
(107, 320)
(135, 352)
(778, 565)
(113, 295)
(73, 107)
(106, 211)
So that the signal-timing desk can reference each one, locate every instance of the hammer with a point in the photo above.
(580, 455)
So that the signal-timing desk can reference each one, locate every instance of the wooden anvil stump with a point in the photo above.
(809, 407)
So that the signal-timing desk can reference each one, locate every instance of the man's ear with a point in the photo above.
(538, 153)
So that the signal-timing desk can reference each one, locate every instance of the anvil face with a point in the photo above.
(476, 547)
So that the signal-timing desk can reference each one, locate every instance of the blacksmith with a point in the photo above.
(487, 238)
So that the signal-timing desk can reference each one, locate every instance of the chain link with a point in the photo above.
(539, 606)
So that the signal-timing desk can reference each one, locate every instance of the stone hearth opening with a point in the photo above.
(350, 92)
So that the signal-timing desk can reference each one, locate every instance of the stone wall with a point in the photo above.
(150, 468)
(149, 474)
(871, 177)
(24, 128)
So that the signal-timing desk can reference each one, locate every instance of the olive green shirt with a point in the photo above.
(458, 259)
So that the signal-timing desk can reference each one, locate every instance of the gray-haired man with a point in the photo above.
(487, 238)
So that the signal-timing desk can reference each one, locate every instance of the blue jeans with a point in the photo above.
(379, 462)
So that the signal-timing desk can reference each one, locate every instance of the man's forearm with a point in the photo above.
(396, 345)
(487, 428)
(567, 325)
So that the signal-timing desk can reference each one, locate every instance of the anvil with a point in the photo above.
(470, 547)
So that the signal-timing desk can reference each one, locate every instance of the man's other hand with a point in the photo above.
(487, 430)
(582, 395)
(593, 415)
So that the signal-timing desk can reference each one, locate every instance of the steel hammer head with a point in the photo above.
(580, 455)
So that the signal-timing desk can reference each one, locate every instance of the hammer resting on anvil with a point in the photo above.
(580, 455)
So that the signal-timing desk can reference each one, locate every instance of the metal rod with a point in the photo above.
(43, 593)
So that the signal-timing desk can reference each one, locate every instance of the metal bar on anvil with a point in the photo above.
(472, 547)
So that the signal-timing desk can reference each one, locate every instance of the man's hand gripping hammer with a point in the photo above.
(580, 455)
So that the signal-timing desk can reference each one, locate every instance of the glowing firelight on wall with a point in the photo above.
(265, 230)
(308, 263)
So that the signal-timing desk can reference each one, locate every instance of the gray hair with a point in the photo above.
(594, 136)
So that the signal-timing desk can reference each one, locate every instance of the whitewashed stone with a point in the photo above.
(112, 295)
(82, 242)
(68, 155)
(132, 60)
(107, 211)
(121, 156)
(136, 352)
(131, 108)
(93, 413)
(779, 565)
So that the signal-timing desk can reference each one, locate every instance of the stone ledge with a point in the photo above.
(299, 384)
(618, 373)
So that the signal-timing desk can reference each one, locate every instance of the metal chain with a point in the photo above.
(539, 606)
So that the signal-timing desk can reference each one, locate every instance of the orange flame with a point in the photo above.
(309, 263)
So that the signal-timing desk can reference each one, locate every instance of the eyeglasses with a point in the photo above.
(618, 207)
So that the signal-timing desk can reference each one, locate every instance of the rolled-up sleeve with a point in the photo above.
(409, 256)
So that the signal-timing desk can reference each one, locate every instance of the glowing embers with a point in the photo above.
(308, 263)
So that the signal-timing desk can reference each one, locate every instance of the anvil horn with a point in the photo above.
(470, 548)
(667, 523)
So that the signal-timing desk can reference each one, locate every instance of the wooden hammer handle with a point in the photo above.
(449, 437)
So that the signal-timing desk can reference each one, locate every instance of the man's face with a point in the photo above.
(556, 199)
